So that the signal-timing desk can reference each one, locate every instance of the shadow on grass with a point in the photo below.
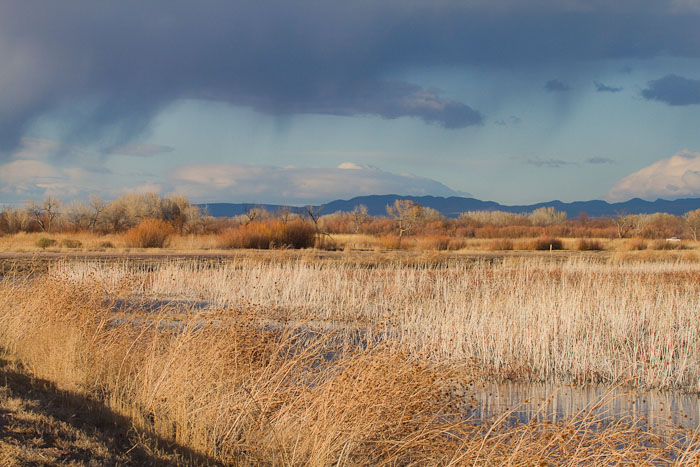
(125, 444)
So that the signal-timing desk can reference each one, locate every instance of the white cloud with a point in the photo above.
(349, 166)
(296, 185)
(40, 148)
(672, 178)
(25, 179)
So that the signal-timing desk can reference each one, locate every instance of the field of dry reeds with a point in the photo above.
(258, 360)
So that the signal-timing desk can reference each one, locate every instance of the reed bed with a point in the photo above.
(573, 321)
(245, 394)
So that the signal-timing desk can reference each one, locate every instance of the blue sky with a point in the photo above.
(305, 102)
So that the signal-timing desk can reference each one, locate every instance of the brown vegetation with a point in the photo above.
(269, 234)
(150, 233)
(298, 364)
(584, 244)
(407, 225)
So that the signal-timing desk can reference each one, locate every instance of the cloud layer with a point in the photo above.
(673, 90)
(672, 178)
(296, 185)
(108, 67)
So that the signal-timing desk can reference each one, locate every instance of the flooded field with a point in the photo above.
(514, 359)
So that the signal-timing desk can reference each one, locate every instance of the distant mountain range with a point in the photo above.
(454, 206)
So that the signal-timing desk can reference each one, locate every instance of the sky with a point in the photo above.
(310, 101)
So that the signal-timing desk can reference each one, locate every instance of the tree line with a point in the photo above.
(403, 218)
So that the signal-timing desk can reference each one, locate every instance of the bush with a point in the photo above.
(635, 244)
(45, 242)
(545, 243)
(666, 245)
(391, 242)
(150, 233)
(71, 243)
(457, 243)
(297, 234)
(500, 244)
(583, 244)
(434, 242)
(269, 234)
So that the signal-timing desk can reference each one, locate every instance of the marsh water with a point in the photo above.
(656, 410)
(513, 402)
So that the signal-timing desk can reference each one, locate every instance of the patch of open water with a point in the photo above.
(657, 410)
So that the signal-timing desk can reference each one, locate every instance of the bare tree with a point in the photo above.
(252, 212)
(692, 220)
(359, 217)
(140, 206)
(15, 219)
(546, 216)
(78, 214)
(97, 206)
(408, 214)
(36, 212)
(314, 214)
(624, 224)
(115, 215)
(52, 209)
(285, 214)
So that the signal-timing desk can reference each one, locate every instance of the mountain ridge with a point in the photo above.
(453, 206)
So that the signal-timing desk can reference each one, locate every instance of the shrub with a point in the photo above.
(583, 244)
(392, 242)
(45, 242)
(666, 245)
(150, 233)
(434, 242)
(635, 244)
(500, 244)
(457, 243)
(269, 234)
(546, 243)
(71, 243)
(297, 234)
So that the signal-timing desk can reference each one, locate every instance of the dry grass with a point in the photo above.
(501, 244)
(273, 235)
(571, 320)
(587, 244)
(238, 390)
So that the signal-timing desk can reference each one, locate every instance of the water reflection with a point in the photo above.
(658, 410)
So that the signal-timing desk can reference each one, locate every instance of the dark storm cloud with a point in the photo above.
(106, 68)
(554, 85)
(673, 90)
(600, 87)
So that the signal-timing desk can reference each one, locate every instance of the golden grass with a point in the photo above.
(235, 387)
(571, 320)
(118, 243)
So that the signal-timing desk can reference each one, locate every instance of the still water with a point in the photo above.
(657, 410)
